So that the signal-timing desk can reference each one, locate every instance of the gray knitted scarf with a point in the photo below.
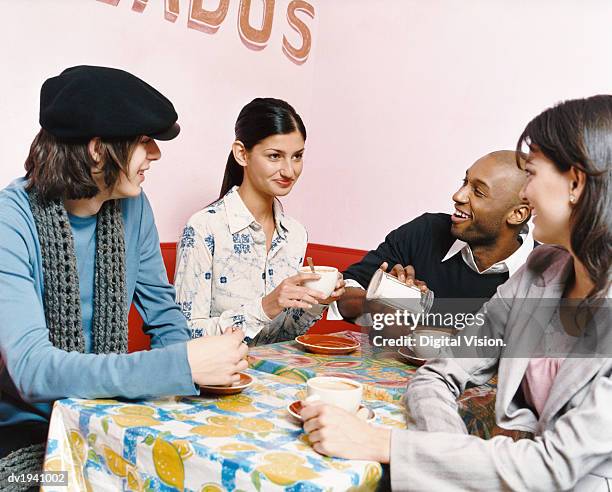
(62, 300)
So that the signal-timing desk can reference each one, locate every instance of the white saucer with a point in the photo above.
(294, 410)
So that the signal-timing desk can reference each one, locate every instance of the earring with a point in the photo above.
(572, 198)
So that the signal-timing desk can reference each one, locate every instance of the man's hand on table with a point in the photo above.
(217, 360)
(335, 432)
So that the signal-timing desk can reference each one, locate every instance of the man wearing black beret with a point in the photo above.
(79, 245)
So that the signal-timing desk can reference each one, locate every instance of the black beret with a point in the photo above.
(84, 102)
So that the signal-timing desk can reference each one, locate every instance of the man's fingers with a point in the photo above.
(398, 272)
(421, 285)
(384, 265)
(409, 271)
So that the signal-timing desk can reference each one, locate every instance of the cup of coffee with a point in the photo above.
(341, 392)
(326, 284)
(428, 344)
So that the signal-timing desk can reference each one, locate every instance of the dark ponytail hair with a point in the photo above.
(578, 133)
(258, 120)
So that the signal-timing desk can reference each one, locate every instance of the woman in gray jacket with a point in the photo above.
(553, 315)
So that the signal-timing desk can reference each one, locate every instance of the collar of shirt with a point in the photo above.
(239, 217)
(510, 264)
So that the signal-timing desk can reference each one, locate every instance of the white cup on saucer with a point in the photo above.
(341, 392)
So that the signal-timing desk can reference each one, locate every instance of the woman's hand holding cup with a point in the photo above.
(290, 293)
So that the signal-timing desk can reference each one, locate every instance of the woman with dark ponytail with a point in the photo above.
(238, 258)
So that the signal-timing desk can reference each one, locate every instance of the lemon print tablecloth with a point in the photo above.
(204, 444)
(384, 374)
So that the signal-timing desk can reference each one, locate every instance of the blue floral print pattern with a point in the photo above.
(241, 243)
(227, 271)
(210, 243)
(187, 238)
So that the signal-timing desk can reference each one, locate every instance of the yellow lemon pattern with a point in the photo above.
(370, 479)
(211, 487)
(256, 425)
(201, 444)
(168, 464)
(78, 446)
(184, 448)
(215, 430)
(133, 482)
(285, 469)
(223, 420)
(118, 465)
(237, 403)
(53, 465)
(237, 446)
(134, 420)
(137, 410)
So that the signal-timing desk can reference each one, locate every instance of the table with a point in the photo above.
(205, 444)
(383, 373)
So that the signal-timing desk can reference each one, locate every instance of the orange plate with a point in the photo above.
(327, 344)
(295, 408)
(410, 357)
(245, 382)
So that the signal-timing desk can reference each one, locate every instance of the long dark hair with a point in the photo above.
(578, 133)
(59, 170)
(260, 119)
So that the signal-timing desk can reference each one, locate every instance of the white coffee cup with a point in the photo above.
(326, 284)
(428, 344)
(341, 392)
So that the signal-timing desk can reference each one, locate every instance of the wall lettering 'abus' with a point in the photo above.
(209, 20)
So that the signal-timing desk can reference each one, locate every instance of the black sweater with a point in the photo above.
(423, 243)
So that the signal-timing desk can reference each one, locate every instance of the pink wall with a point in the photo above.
(399, 96)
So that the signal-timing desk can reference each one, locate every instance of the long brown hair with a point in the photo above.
(578, 133)
(62, 169)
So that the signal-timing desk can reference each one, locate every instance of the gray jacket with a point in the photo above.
(572, 447)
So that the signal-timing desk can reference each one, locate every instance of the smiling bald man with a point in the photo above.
(464, 255)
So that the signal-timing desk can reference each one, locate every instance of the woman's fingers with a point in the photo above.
(302, 277)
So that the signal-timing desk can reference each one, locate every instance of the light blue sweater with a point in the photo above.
(33, 372)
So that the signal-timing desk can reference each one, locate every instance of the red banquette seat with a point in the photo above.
(321, 254)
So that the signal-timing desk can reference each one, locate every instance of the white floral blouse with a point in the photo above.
(223, 272)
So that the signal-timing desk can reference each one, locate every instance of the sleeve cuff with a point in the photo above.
(256, 318)
(402, 441)
(316, 311)
(179, 373)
